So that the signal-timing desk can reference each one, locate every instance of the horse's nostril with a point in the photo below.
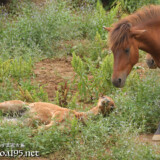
(152, 61)
(119, 80)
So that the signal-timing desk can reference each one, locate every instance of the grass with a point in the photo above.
(34, 32)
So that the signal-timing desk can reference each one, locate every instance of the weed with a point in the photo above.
(31, 93)
(62, 95)
(131, 6)
(94, 73)
(15, 68)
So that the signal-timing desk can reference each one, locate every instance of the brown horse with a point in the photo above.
(150, 62)
(140, 30)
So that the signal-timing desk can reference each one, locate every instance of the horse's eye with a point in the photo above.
(127, 50)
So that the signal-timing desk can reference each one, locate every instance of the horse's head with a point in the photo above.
(125, 50)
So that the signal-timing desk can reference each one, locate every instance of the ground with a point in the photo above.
(38, 2)
(51, 72)
(145, 139)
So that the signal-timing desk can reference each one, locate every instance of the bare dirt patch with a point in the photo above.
(147, 139)
(39, 2)
(51, 72)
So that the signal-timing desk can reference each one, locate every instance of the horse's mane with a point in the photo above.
(119, 34)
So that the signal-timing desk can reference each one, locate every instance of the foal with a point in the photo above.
(48, 114)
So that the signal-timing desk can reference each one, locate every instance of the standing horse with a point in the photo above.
(150, 62)
(141, 30)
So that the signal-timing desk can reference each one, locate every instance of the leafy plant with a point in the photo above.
(31, 93)
(132, 5)
(62, 94)
(93, 81)
(15, 68)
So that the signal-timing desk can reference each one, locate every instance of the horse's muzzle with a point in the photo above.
(118, 82)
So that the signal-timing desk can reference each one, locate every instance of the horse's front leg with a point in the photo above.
(156, 136)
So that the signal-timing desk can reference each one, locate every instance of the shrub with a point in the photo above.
(132, 5)
(15, 68)
(93, 81)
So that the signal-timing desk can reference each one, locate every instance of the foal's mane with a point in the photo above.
(119, 35)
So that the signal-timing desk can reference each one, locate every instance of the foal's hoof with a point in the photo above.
(156, 137)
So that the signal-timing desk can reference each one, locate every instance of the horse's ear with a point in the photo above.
(137, 33)
(107, 28)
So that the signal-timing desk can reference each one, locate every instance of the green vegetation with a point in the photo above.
(132, 5)
(30, 33)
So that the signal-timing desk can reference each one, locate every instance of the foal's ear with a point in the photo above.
(136, 33)
(107, 28)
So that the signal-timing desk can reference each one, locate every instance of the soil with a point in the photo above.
(144, 139)
(39, 2)
(52, 72)
(147, 139)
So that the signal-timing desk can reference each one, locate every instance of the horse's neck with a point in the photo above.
(150, 41)
(154, 51)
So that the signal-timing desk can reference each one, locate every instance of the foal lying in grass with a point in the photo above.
(48, 114)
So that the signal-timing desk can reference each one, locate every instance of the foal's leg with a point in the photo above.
(156, 136)
(46, 126)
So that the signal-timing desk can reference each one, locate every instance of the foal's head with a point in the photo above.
(125, 50)
(106, 105)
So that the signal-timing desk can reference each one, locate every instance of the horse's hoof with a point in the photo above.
(156, 137)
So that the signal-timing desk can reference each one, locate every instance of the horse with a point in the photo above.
(139, 30)
(47, 114)
(150, 62)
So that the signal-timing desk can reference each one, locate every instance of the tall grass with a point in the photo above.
(15, 68)
(92, 81)
(39, 31)
(132, 5)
